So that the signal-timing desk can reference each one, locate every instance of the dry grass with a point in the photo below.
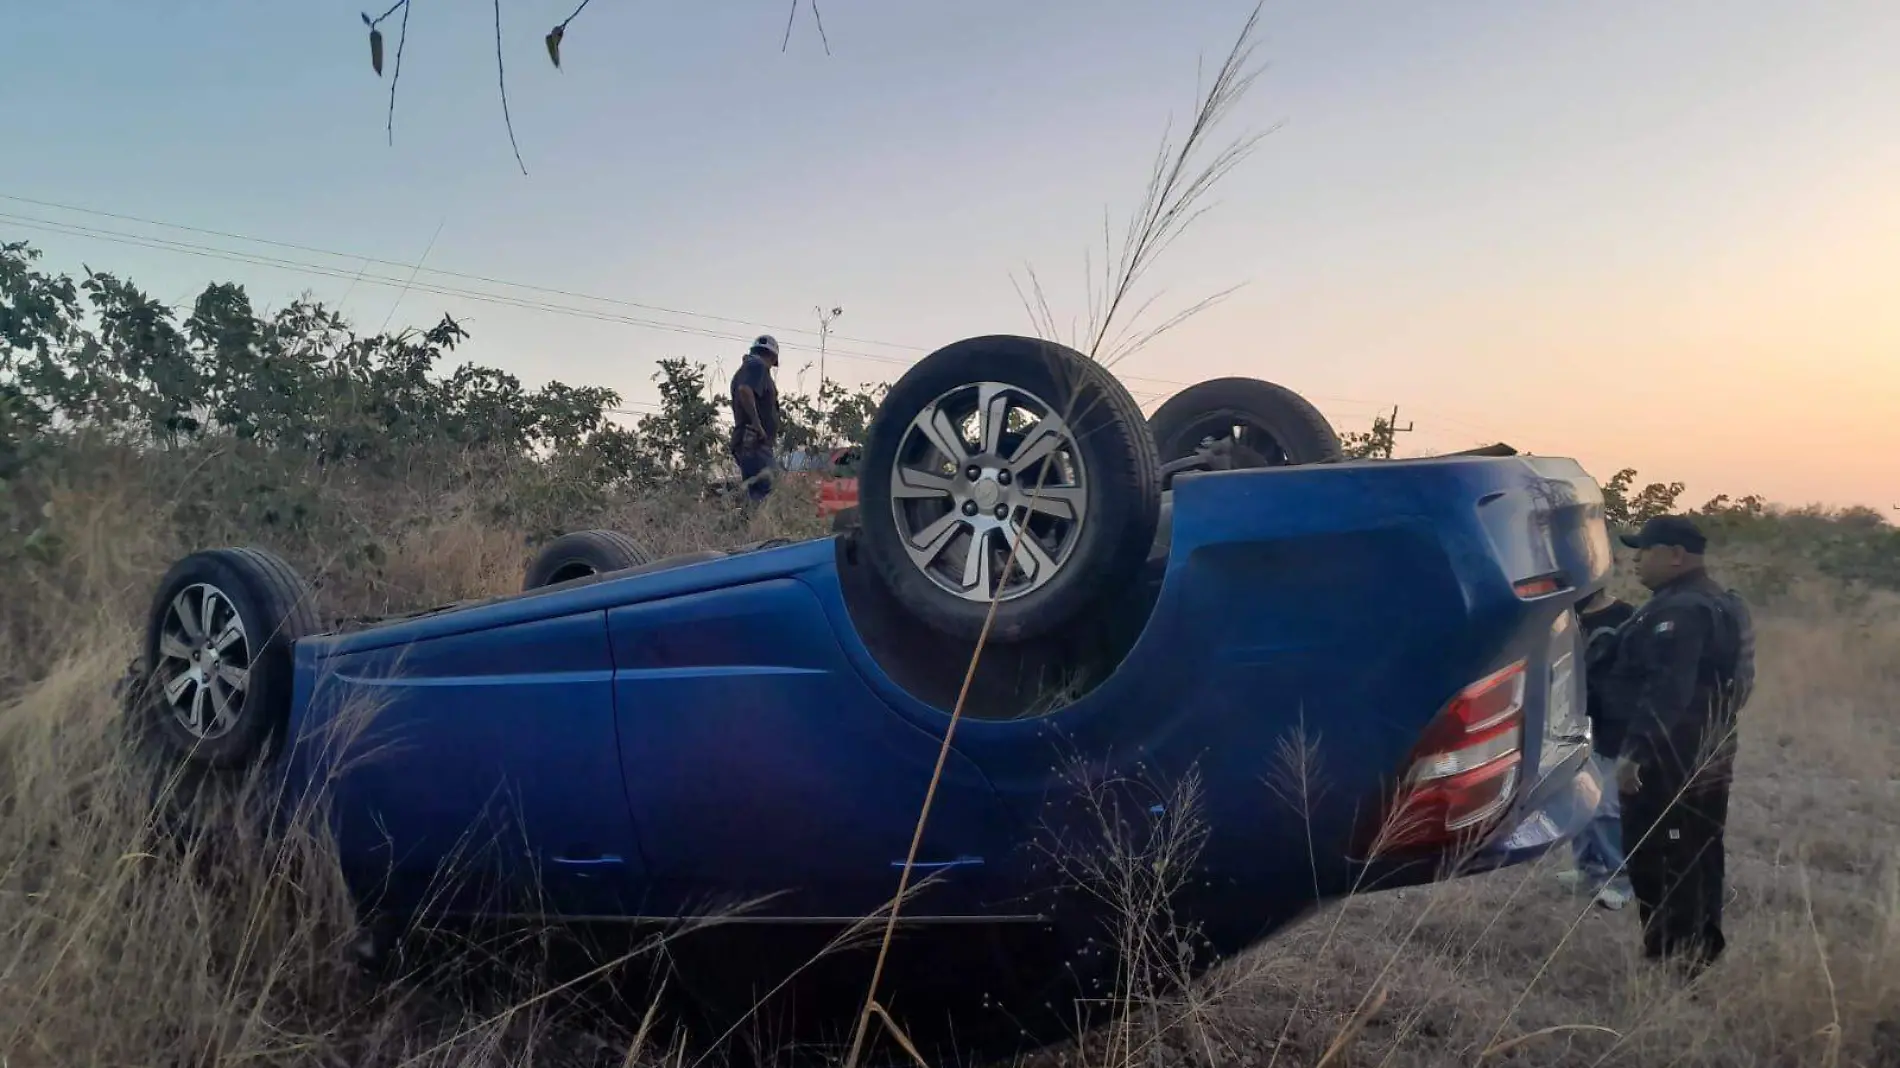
(121, 948)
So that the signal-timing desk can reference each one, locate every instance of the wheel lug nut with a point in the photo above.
(1002, 511)
(969, 507)
(973, 472)
(1002, 478)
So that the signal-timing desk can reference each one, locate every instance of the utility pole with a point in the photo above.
(824, 334)
(1393, 430)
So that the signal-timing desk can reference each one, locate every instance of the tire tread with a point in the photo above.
(1301, 430)
(602, 545)
(284, 606)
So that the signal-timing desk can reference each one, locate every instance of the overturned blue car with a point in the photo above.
(1172, 613)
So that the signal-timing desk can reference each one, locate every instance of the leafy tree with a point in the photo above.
(100, 356)
(687, 436)
(848, 412)
(1621, 508)
(1377, 443)
(37, 312)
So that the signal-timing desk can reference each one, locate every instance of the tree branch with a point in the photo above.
(560, 30)
(816, 17)
(376, 33)
(501, 80)
(402, 35)
(820, 20)
(553, 41)
(392, 10)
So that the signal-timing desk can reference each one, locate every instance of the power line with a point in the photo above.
(257, 260)
(750, 324)
(444, 272)
(822, 334)
(360, 274)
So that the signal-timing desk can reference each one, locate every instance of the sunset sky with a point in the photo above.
(1660, 235)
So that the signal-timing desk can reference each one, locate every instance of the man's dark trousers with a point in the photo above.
(754, 465)
(1676, 861)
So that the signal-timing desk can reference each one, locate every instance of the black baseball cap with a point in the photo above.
(1677, 530)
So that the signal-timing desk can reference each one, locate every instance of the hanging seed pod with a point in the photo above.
(554, 45)
(376, 50)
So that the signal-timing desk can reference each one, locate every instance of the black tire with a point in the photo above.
(273, 608)
(844, 520)
(581, 554)
(1281, 428)
(1121, 495)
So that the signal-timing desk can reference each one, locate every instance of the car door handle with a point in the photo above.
(939, 865)
(587, 865)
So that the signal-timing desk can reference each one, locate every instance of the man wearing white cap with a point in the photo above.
(755, 416)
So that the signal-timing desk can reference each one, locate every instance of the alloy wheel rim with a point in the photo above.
(204, 660)
(984, 468)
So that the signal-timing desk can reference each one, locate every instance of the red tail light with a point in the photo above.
(1464, 770)
(1543, 586)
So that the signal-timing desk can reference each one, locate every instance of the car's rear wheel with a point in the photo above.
(1250, 422)
(582, 554)
(1003, 444)
(218, 657)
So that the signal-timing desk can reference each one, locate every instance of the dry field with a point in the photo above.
(116, 950)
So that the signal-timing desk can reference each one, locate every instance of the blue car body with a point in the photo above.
(661, 742)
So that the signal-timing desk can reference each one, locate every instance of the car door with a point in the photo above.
(759, 766)
(479, 771)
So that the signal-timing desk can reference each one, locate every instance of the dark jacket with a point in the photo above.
(1675, 661)
(756, 374)
(1608, 720)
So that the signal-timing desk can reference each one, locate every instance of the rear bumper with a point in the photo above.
(1555, 810)
(1560, 809)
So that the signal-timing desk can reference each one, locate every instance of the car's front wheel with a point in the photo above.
(1007, 469)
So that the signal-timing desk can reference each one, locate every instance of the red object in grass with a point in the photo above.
(839, 492)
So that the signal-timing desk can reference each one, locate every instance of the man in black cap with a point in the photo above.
(1683, 667)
